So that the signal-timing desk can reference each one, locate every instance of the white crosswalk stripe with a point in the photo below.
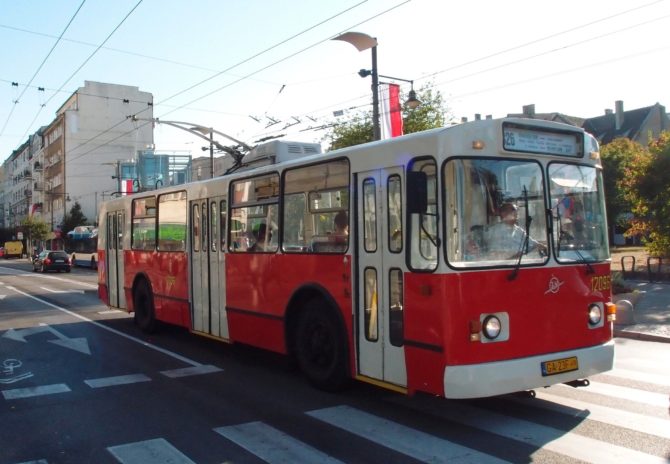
(656, 379)
(543, 437)
(617, 417)
(272, 445)
(414, 443)
(157, 451)
(593, 405)
(625, 393)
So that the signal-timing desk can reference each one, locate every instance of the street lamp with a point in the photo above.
(412, 102)
(363, 42)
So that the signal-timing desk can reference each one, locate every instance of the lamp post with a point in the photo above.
(363, 42)
(412, 102)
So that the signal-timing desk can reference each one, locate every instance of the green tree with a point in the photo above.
(35, 230)
(357, 130)
(73, 219)
(646, 184)
(616, 156)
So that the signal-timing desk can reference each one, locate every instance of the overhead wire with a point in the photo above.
(423, 77)
(162, 102)
(109, 36)
(39, 68)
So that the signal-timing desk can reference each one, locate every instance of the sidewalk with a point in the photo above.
(652, 313)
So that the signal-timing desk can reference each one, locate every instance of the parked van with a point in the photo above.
(13, 249)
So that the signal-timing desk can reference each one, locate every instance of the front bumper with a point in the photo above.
(501, 377)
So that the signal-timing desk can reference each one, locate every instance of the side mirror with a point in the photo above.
(417, 192)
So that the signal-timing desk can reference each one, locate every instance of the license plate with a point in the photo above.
(58, 261)
(558, 366)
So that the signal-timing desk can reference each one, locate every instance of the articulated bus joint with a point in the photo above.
(578, 383)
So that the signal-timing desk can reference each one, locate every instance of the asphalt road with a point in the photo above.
(80, 384)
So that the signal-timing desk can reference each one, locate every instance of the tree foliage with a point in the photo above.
(358, 129)
(73, 219)
(646, 185)
(616, 155)
(35, 229)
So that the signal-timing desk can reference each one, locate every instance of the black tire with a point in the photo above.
(68, 270)
(94, 265)
(321, 349)
(143, 300)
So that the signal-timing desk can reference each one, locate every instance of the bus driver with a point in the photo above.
(505, 239)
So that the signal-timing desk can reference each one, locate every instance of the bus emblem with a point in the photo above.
(554, 285)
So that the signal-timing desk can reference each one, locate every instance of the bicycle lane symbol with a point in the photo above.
(9, 374)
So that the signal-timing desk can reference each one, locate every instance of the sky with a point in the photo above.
(240, 65)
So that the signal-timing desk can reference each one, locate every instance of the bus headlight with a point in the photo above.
(491, 327)
(595, 314)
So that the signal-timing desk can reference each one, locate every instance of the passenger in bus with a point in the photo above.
(505, 239)
(262, 239)
(341, 223)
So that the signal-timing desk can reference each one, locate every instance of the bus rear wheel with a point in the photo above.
(321, 348)
(143, 301)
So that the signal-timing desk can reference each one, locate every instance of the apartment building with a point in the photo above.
(74, 158)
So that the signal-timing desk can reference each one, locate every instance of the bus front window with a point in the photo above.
(578, 212)
(495, 213)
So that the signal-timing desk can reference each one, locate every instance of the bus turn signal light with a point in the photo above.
(610, 308)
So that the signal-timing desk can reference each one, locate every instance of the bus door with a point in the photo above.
(217, 270)
(380, 275)
(114, 261)
(207, 266)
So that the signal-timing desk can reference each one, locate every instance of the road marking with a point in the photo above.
(62, 291)
(78, 344)
(13, 273)
(2, 297)
(272, 445)
(543, 437)
(29, 392)
(624, 419)
(188, 371)
(414, 443)
(154, 451)
(647, 377)
(117, 380)
(9, 366)
(181, 358)
(630, 394)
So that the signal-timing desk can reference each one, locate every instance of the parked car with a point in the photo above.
(52, 261)
(2, 252)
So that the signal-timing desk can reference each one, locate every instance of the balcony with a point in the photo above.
(38, 187)
(38, 166)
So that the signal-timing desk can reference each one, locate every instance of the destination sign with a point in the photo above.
(536, 140)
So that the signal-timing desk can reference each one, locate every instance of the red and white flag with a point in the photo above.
(391, 113)
(126, 186)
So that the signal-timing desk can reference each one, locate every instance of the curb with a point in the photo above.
(641, 336)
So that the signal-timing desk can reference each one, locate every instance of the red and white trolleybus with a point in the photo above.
(465, 261)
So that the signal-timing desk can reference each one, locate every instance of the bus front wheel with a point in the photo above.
(321, 348)
(143, 300)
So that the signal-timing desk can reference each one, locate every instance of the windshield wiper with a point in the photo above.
(524, 244)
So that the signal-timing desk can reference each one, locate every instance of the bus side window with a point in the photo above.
(422, 225)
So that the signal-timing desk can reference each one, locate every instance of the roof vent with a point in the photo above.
(278, 151)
